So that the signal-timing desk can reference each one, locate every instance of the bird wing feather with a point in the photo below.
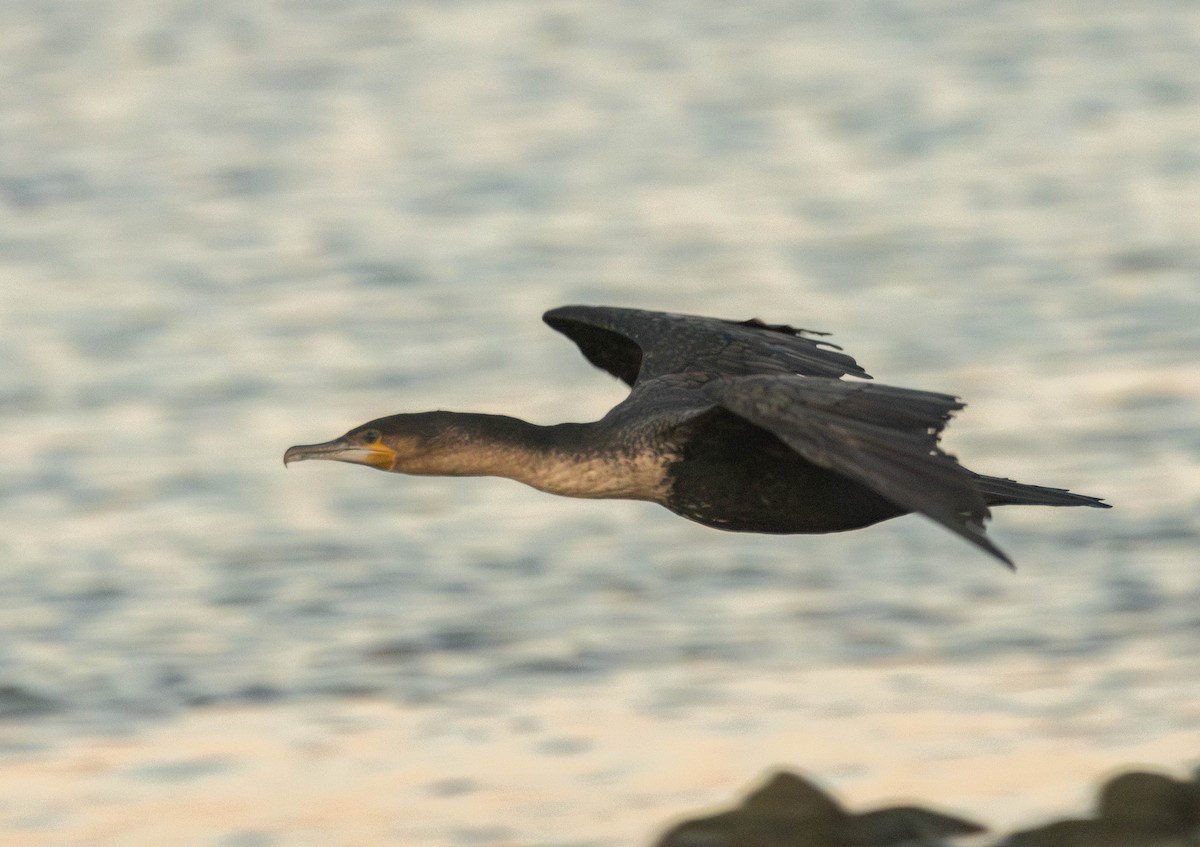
(881, 436)
(633, 345)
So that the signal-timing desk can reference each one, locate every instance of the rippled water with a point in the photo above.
(225, 231)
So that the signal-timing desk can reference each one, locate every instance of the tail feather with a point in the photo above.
(1006, 492)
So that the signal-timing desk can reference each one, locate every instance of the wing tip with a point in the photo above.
(976, 533)
(1003, 557)
(558, 312)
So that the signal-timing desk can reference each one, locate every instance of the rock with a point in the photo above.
(1133, 809)
(1090, 833)
(790, 811)
(1147, 802)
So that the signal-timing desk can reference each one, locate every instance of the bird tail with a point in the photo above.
(1006, 492)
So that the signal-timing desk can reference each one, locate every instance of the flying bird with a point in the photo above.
(738, 425)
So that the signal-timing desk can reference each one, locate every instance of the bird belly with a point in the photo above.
(793, 496)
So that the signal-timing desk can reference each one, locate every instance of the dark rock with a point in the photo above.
(789, 811)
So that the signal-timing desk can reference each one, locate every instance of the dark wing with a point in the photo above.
(883, 437)
(632, 344)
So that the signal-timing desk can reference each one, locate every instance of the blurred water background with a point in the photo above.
(226, 228)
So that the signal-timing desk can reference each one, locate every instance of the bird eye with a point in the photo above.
(371, 436)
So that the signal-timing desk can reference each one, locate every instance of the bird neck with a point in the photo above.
(569, 459)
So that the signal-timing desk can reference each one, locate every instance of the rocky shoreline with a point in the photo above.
(1133, 809)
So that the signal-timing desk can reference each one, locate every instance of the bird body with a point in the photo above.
(742, 426)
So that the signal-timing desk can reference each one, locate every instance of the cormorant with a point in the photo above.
(742, 426)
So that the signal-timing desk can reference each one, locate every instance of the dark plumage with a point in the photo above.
(742, 426)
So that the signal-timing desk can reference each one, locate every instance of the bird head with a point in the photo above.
(426, 443)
